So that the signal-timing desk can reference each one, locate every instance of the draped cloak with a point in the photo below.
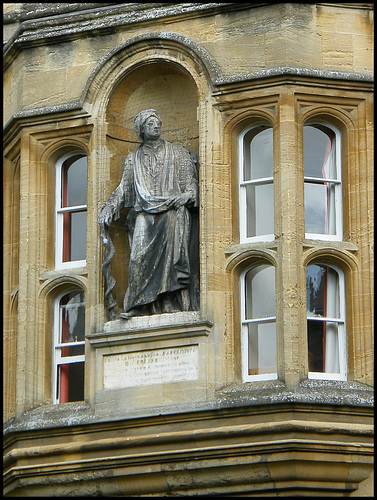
(158, 235)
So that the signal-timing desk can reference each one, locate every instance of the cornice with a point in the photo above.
(289, 70)
(42, 116)
(103, 20)
(222, 85)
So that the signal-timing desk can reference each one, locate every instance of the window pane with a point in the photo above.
(262, 348)
(322, 291)
(323, 301)
(323, 346)
(72, 311)
(258, 154)
(71, 382)
(78, 350)
(74, 183)
(316, 278)
(260, 292)
(315, 346)
(320, 208)
(77, 236)
(260, 209)
(318, 158)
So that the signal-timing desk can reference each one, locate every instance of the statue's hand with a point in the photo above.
(181, 200)
(105, 216)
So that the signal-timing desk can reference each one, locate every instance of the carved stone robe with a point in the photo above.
(158, 235)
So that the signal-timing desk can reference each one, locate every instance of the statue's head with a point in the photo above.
(140, 120)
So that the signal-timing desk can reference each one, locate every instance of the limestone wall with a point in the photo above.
(75, 75)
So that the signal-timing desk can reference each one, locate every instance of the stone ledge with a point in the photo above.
(237, 399)
(155, 327)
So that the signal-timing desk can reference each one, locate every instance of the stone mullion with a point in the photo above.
(37, 246)
(219, 281)
(204, 161)
(289, 227)
(98, 182)
(211, 302)
(8, 284)
(369, 344)
(25, 370)
(363, 184)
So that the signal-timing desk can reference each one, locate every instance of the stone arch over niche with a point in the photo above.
(169, 89)
(165, 87)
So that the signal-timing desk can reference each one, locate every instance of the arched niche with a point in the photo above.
(162, 86)
(172, 92)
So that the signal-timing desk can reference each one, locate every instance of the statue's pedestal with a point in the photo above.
(149, 361)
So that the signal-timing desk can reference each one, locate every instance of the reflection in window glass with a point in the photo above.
(325, 323)
(258, 154)
(260, 292)
(259, 323)
(317, 148)
(322, 182)
(256, 186)
(260, 209)
(77, 228)
(319, 208)
(262, 348)
(72, 313)
(74, 182)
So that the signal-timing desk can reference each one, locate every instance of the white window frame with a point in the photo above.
(58, 359)
(243, 192)
(341, 322)
(338, 236)
(59, 219)
(245, 333)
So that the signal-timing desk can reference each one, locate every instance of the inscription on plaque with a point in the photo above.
(157, 366)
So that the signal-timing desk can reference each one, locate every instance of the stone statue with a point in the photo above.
(159, 183)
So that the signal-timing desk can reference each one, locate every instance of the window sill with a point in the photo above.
(56, 273)
(343, 245)
(246, 247)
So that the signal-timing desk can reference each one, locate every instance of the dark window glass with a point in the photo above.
(323, 312)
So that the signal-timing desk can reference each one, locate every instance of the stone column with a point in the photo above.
(289, 227)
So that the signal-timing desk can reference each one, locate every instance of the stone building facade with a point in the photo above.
(265, 388)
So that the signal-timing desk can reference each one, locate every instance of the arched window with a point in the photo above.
(322, 177)
(325, 303)
(256, 184)
(69, 347)
(71, 183)
(258, 319)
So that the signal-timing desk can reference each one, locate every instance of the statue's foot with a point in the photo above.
(129, 314)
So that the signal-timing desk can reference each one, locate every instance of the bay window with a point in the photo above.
(322, 211)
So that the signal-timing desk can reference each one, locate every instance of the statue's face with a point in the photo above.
(152, 128)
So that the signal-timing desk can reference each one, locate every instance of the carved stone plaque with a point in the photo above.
(155, 366)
